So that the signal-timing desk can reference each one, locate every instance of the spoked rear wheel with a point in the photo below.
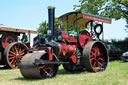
(95, 57)
(14, 53)
(30, 70)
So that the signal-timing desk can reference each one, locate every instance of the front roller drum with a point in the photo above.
(95, 56)
(30, 70)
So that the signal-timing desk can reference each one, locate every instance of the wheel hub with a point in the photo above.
(18, 56)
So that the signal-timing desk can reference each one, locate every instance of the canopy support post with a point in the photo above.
(67, 23)
(91, 27)
(29, 36)
(103, 33)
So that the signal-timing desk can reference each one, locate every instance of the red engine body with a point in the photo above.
(67, 50)
(67, 47)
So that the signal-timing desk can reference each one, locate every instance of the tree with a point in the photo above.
(122, 44)
(115, 9)
(127, 19)
(57, 24)
(43, 27)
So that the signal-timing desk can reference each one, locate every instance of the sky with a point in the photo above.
(27, 14)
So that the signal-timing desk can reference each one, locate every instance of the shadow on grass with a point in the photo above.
(25, 79)
(60, 72)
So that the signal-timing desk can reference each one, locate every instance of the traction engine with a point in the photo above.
(75, 53)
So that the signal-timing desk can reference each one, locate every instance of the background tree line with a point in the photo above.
(122, 44)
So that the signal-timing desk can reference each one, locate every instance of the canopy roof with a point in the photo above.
(9, 29)
(81, 18)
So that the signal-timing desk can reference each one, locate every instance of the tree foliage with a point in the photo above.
(115, 9)
(122, 44)
(43, 26)
(57, 24)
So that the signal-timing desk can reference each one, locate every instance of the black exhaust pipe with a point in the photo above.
(51, 17)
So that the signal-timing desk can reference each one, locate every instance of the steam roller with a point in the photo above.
(76, 51)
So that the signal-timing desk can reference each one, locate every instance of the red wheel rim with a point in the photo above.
(95, 56)
(7, 39)
(45, 70)
(96, 59)
(16, 53)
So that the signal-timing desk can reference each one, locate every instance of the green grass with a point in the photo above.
(115, 74)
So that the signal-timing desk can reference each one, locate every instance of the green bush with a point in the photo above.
(122, 44)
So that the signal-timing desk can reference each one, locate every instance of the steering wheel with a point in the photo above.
(98, 29)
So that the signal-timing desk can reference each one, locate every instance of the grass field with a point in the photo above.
(116, 74)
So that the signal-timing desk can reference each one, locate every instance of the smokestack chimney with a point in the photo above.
(51, 16)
